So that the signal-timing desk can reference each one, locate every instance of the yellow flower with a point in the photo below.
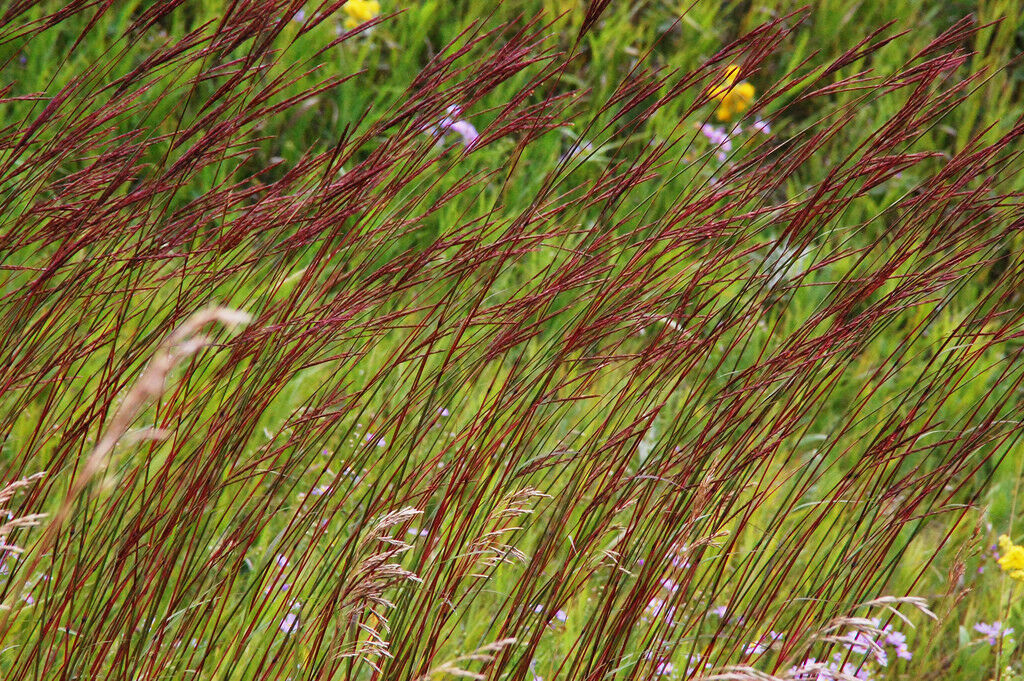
(733, 98)
(1012, 560)
(359, 12)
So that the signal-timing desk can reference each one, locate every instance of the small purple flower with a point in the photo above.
(717, 136)
(664, 669)
(660, 608)
(451, 122)
(718, 610)
(281, 560)
(897, 640)
(270, 587)
(993, 632)
(694, 664)
(761, 127)
(289, 623)
(320, 490)
(467, 131)
(808, 670)
(681, 563)
(859, 642)
(720, 138)
(560, 615)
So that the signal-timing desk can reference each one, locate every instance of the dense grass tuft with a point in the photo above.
(429, 346)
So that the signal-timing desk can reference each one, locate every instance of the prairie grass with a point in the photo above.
(472, 343)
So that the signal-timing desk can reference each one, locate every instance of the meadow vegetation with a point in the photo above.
(529, 340)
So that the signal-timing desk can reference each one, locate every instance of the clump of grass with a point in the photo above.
(633, 404)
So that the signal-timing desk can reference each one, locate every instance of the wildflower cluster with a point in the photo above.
(870, 645)
(720, 139)
(862, 642)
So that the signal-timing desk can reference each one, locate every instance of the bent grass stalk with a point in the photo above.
(183, 342)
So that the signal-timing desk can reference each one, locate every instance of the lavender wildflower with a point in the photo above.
(453, 123)
(718, 137)
(289, 623)
(993, 632)
(897, 640)
(664, 669)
